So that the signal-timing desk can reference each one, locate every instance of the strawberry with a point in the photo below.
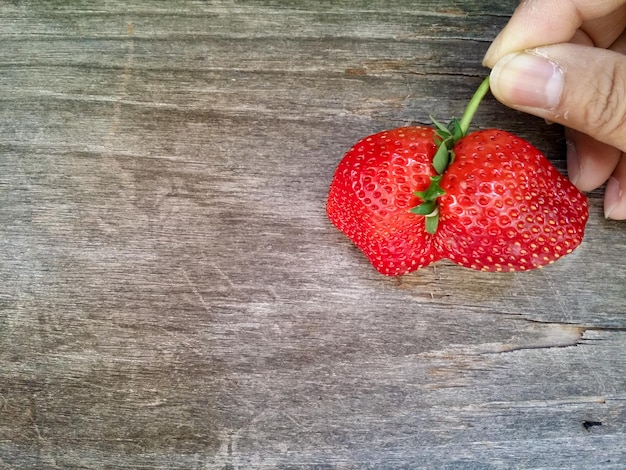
(488, 201)
(373, 191)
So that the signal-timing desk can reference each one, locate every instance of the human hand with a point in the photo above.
(565, 61)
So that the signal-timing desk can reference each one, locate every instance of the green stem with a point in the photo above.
(447, 136)
(472, 106)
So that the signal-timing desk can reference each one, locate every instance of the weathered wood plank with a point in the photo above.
(172, 295)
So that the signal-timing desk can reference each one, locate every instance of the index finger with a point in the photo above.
(543, 22)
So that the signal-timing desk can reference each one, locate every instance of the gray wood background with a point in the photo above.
(172, 295)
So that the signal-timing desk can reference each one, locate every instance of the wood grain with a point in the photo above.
(172, 295)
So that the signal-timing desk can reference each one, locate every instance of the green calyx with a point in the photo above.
(446, 137)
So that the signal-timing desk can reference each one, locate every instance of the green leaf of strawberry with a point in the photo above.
(441, 160)
(491, 202)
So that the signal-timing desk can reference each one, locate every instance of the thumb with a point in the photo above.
(581, 87)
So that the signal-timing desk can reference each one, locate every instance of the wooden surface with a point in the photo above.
(172, 295)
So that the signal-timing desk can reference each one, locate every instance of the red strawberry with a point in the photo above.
(500, 205)
(506, 207)
(372, 193)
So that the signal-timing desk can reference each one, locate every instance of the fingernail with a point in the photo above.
(529, 80)
(613, 195)
(574, 167)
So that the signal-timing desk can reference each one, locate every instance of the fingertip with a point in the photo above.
(615, 194)
(574, 168)
(590, 162)
(614, 200)
(492, 54)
